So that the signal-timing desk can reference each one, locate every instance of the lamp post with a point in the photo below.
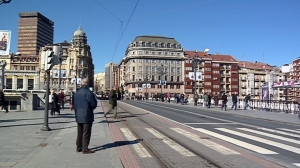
(59, 73)
(161, 72)
(76, 77)
(196, 60)
(146, 80)
(38, 71)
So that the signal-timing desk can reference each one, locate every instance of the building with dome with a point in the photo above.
(77, 64)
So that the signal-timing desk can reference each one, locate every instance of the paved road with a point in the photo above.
(272, 136)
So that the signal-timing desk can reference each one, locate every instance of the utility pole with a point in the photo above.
(195, 61)
(59, 73)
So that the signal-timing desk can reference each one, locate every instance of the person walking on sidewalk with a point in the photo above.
(72, 100)
(196, 97)
(84, 103)
(2, 101)
(216, 100)
(205, 100)
(224, 101)
(247, 99)
(209, 100)
(234, 101)
(112, 102)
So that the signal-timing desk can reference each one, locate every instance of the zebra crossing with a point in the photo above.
(268, 141)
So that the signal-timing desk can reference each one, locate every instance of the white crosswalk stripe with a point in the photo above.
(172, 144)
(279, 132)
(237, 142)
(271, 135)
(289, 130)
(262, 140)
(296, 164)
(219, 148)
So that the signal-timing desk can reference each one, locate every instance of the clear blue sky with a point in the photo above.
(252, 30)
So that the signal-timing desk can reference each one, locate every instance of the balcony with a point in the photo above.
(243, 86)
(222, 82)
(228, 89)
(228, 74)
(222, 89)
(243, 78)
(222, 67)
(222, 75)
(256, 79)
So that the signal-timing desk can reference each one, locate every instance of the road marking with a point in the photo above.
(296, 164)
(284, 129)
(170, 143)
(205, 142)
(207, 123)
(271, 135)
(262, 140)
(279, 132)
(237, 142)
(140, 150)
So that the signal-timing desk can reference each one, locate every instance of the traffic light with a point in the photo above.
(52, 60)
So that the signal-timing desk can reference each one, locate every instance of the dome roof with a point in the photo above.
(79, 32)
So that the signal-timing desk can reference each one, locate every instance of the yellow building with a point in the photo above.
(77, 64)
(99, 82)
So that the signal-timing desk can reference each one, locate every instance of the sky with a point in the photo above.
(250, 30)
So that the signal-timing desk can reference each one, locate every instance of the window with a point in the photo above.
(207, 91)
(153, 61)
(166, 61)
(146, 60)
(133, 69)
(207, 69)
(178, 53)
(140, 68)
(153, 53)
(163, 45)
(234, 79)
(178, 79)
(171, 86)
(166, 78)
(172, 78)
(216, 72)
(235, 86)
(172, 69)
(159, 53)
(215, 65)
(153, 69)
(153, 44)
(177, 86)
(140, 52)
(166, 53)
(133, 78)
(141, 60)
(147, 52)
(172, 53)
(207, 76)
(188, 68)
(147, 68)
(207, 83)
(19, 83)
(216, 86)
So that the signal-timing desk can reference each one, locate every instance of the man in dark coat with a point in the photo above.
(84, 104)
(112, 102)
(234, 101)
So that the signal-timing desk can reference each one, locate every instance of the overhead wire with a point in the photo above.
(108, 11)
(118, 42)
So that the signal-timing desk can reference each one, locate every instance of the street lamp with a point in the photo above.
(76, 77)
(146, 80)
(196, 60)
(161, 72)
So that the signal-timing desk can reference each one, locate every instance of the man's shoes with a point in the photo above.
(78, 150)
(88, 151)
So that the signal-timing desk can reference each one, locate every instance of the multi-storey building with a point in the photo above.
(110, 75)
(77, 64)
(99, 82)
(35, 31)
(254, 76)
(219, 73)
(148, 60)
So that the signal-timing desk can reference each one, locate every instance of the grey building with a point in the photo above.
(110, 70)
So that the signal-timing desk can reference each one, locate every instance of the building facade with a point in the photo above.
(219, 73)
(152, 65)
(99, 82)
(110, 75)
(35, 31)
(254, 76)
(77, 64)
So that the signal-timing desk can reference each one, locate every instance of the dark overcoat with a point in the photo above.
(84, 104)
(113, 98)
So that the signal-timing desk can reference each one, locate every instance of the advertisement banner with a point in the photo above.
(73, 81)
(62, 71)
(265, 92)
(291, 84)
(148, 85)
(198, 76)
(5, 38)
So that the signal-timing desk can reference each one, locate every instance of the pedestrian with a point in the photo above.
(216, 100)
(224, 101)
(205, 100)
(247, 99)
(72, 100)
(234, 101)
(53, 101)
(62, 98)
(112, 102)
(209, 100)
(196, 97)
(2, 101)
(84, 104)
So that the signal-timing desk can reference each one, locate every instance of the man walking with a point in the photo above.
(84, 104)
(234, 101)
(247, 99)
(224, 101)
(112, 102)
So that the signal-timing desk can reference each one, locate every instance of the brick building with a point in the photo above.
(220, 73)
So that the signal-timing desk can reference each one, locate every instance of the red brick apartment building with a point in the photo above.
(219, 72)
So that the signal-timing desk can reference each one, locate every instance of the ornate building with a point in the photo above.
(99, 82)
(150, 59)
(77, 64)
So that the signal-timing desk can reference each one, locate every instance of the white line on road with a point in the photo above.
(262, 140)
(140, 150)
(219, 148)
(207, 123)
(237, 142)
(279, 132)
(296, 164)
(284, 129)
(271, 135)
(180, 149)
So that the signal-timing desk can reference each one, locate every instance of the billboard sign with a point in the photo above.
(265, 92)
(5, 38)
(198, 76)
(63, 73)
(73, 81)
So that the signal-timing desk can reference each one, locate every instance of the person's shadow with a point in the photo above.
(116, 144)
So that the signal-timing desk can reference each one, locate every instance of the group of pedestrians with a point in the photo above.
(57, 101)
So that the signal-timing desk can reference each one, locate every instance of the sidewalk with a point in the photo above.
(23, 145)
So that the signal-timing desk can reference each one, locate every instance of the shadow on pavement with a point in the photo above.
(116, 144)
(18, 125)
